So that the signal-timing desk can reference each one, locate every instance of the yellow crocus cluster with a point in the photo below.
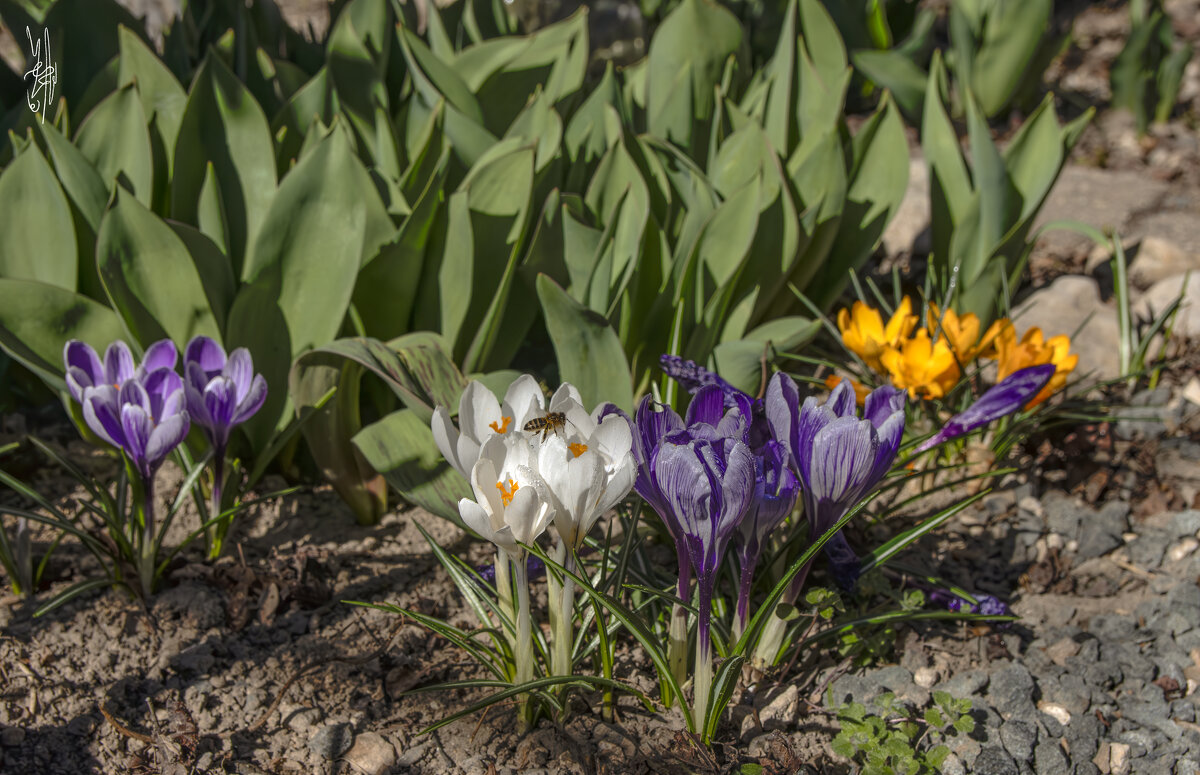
(928, 366)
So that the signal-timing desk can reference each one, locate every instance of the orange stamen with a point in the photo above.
(577, 449)
(503, 428)
(506, 494)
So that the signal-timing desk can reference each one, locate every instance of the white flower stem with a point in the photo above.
(702, 685)
(523, 648)
(677, 631)
(504, 592)
(564, 636)
(554, 608)
(771, 638)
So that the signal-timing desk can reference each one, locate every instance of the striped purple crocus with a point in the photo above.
(1000, 400)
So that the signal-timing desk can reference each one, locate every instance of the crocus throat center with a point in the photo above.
(507, 493)
(577, 449)
(502, 427)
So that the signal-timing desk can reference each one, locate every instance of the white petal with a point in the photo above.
(613, 440)
(526, 515)
(476, 518)
(445, 435)
(523, 401)
(477, 410)
(483, 482)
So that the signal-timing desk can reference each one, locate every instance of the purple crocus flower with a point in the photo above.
(1002, 399)
(692, 376)
(707, 484)
(988, 605)
(775, 491)
(146, 418)
(221, 392)
(84, 368)
(838, 457)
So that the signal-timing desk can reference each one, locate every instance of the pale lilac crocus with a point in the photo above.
(222, 393)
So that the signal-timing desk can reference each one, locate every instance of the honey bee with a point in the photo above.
(552, 422)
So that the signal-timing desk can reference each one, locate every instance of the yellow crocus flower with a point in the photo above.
(1033, 349)
(962, 333)
(921, 366)
(865, 335)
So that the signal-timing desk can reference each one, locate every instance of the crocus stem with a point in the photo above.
(771, 639)
(564, 636)
(504, 593)
(219, 530)
(523, 648)
(677, 632)
(146, 571)
(704, 668)
(745, 580)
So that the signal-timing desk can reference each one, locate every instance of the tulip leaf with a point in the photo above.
(37, 235)
(114, 138)
(588, 351)
(163, 99)
(329, 430)
(401, 447)
(37, 320)
(82, 184)
(222, 125)
(84, 37)
(150, 277)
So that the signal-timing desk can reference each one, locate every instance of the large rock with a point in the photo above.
(1070, 304)
(1157, 259)
(1105, 199)
(1163, 292)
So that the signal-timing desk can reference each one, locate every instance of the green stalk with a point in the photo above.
(523, 648)
(564, 636)
(146, 548)
(504, 590)
(218, 531)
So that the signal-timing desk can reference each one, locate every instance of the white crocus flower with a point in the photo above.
(587, 468)
(481, 416)
(512, 505)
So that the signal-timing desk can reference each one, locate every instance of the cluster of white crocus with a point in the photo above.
(524, 480)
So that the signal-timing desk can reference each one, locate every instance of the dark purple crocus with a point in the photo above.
(691, 376)
(707, 484)
(1000, 400)
(988, 605)
(838, 457)
(775, 491)
(145, 419)
(84, 368)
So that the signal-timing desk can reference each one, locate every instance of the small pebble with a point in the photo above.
(1055, 711)
(925, 677)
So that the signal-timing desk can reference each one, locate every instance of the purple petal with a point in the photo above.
(195, 405)
(844, 565)
(1000, 400)
(883, 402)
(843, 457)
(138, 426)
(166, 437)
(252, 401)
(240, 369)
(781, 407)
(160, 355)
(118, 364)
(841, 400)
(220, 401)
(890, 434)
(83, 368)
(206, 353)
(707, 406)
(134, 393)
(692, 376)
(159, 385)
(101, 413)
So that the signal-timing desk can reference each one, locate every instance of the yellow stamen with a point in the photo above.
(577, 449)
(503, 427)
(507, 493)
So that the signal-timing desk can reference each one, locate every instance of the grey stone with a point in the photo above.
(1146, 551)
(1063, 513)
(371, 754)
(1083, 737)
(1157, 259)
(1086, 768)
(331, 741)
(1111, 627)
(1145, 415)
(1019, 738)
(1163, 293)
(952, 765)
(855, 688)
(912, 216)
(993, 761)
(1184, 599)
(1104, 674)
(1049, 759)
(1011, 688)
(1070, 691)
(1106, 199)
(1185, 523)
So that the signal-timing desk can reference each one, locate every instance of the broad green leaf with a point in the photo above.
(588, 351)
(779, 119)
(329, 430)
(163, 99)
(998, 199)
(223, 125)
(740, 362)
(114, 138)
(83, 37)
(37, 320)
(686, 59)
(1011, 34)
(950, 186)
(87, 196)
(37, 235)
(401, 447)
(315, 99)
(150, 277)
(897, 73)
(823, 42)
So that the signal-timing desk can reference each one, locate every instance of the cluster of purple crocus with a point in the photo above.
(146, 411)
(733, 467)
